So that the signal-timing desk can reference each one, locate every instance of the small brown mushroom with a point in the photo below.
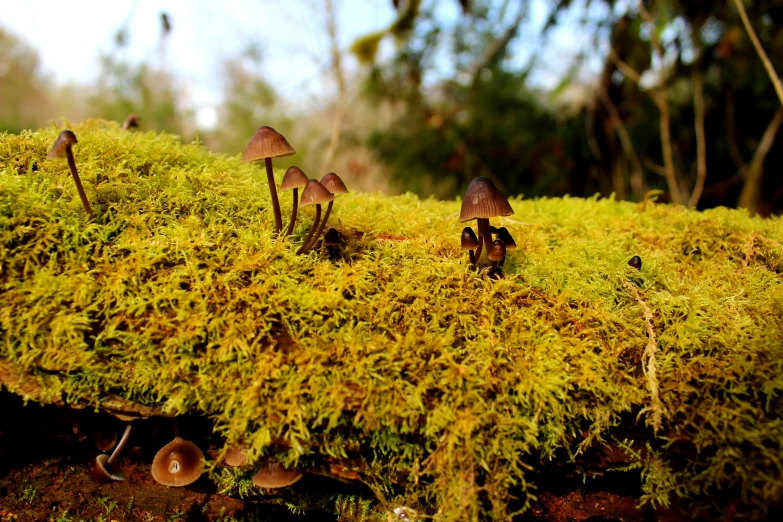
(266, 144)
(178, 463)
(314, 194)
(469, 242)
(275, 475)
(505, 236)
(495, 254)
(236, 456)
(482, 202)
(105, 469)
(105, 439)
(293, 179)
(635, 262)
(63, 148)
(131, 122)
(335, 185)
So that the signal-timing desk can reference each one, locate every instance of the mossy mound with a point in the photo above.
(449, 389)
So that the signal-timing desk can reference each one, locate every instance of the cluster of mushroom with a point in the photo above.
(267, 144)
(484, 201)
(178, 463)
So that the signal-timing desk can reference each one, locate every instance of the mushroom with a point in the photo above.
(635, 262)
(105, 440)
(63, 148)
(266, 144)
(178, 463)
(275, 475)
(335, 185)
(482, 202)
(314, 194)
(104, 470)
(470, 243)
(236, 456)
(131, 122)
(293, 179)
(505, 236)
(495, 254)
(332, 240)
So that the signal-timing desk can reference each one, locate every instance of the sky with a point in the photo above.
(289, 34)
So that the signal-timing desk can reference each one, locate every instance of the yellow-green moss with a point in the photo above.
(177, 294)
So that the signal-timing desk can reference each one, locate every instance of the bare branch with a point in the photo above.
(751, 189)
(760, 50)
(701, 142)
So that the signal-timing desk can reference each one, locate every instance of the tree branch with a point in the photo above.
(760, 50)
(751, 189)
(701, 143)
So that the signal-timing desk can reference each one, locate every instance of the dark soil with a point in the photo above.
(47, 454)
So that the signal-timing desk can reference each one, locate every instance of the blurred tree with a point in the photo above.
(25, 100)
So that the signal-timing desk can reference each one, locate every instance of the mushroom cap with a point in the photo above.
(178, 463)
(334, 184)
(274, 475)
(103, 472)
(267, 143)
(293, 178)
(635, 262)
(332, 237)
(497, 252)
(63, 141)
(483, 200)
(469, 240)
(315, 194)
(132, 121)
(236, 456)
(105, 440)
(505, 236)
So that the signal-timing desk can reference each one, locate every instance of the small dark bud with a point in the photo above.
(635, 262)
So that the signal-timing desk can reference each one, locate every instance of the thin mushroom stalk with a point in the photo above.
(486, 234)
(294, 210)
(273, 192)
(321, 227)
(104, 470)
(335, 185)
(77, 180)
(306, 243)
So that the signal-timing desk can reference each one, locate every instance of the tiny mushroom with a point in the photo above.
(105, 439)
(470, 243)
(314, 194)
(236, 456)
(335, 185)
(293, 179)
(495, 254)
(635, 262)
(505, 236)
(131, 122)
(482, 202)
(266, 144)
(178, 463)
(63, 148)
(105, 469)
(275, 475)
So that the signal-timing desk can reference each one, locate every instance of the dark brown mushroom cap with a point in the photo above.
(483, 200)
(274, 475)
(293, 178)
(469, 240)
(65, 139)
(103, 472)
(178, 463)
(236, 456)
(505, 236)
(315, 194)
(332, 237)
(334, 184)
(497, 252)
(105, 440)
(267, 143)
(635, 262)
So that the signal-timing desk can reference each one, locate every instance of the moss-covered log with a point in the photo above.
(450, 389)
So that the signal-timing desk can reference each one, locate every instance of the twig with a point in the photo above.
(701, 143)
(650, 369)
(760, 50)
(637, 178)
(750, 189)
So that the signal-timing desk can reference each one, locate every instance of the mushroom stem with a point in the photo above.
(472, 257)
(492, 266)
(486, 234)
(120, 445)
(303, 248)
(293, 213)
(273, 191)
(77, 180)
(320, 228)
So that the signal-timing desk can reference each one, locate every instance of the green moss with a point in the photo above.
(450, 386)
